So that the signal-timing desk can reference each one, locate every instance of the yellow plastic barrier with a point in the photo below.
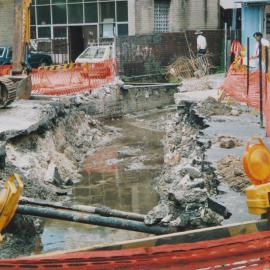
(257, 199)
(256, 162)
(9, 199)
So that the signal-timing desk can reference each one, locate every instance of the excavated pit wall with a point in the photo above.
(187, 180)
(49, 152)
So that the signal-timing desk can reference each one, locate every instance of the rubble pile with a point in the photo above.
(187, 179)
(232, 173)
(228, 142)
(52, 158)
(211, 106)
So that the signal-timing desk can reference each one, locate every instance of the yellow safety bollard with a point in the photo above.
(9, 199)
(258, 199)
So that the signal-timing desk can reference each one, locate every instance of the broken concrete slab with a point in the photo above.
(53, 176)
(24, 117)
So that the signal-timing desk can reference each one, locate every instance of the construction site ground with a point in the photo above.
(141, 157)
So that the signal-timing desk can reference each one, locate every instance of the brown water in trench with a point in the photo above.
(119, 176)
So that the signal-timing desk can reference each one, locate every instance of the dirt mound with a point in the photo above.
(228, 142)
(211, 106)
(231, 171)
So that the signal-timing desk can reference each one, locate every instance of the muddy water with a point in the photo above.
(118, 175)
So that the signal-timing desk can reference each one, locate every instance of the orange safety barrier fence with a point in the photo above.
(69, 78)
(73, 78)
(251, 251)
(236, 86)
(5, 69)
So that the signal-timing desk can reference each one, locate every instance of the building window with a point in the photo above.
(91, 12)
(161, 16)
(59, 12)
(75, 13)
(43, 15)
(51, 21)
(44, 32)
(268, 23)
(122, 30)
(107, 11)
(122, 11)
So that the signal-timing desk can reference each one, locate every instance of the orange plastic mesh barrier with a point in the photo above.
(235, 86)
(5, 69)
(73, 78)
(70, 78)
(240, 252)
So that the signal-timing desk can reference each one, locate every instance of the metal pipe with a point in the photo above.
(93, 220)
(248, 64)
(261, 84)
(225, 47)
(103, 211)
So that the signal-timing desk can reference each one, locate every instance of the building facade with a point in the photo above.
(68, 26)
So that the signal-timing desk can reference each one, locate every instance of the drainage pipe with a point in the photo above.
(102, 211)
(91, 219)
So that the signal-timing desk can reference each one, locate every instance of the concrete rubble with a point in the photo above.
(187, 179)
(232, 173)
(199, 143)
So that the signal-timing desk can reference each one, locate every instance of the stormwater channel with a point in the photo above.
(118, 175)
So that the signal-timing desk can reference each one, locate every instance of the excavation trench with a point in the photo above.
(122, 158)
(149, 163)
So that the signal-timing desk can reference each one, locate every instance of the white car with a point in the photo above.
(96, 53)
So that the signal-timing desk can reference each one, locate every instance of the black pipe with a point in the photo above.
(248, 64)
(261, 84)
(93, 220)
(103, 211)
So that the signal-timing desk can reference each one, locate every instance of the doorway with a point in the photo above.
(90, 35)
(76, 41)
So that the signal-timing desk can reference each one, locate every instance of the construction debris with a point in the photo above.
(231, 172)
(228, 142)
(187, 68)
(184, 187)
(211, 106)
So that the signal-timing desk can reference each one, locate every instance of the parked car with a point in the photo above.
(34, 59)
(96, 53)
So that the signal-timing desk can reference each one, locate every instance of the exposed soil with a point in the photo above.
(228, 142)
(232, 173)
(211, 106)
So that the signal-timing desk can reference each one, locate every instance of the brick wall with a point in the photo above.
(6, 22)
(145, 54)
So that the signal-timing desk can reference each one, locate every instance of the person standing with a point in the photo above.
(201, 43)
(261, 42)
